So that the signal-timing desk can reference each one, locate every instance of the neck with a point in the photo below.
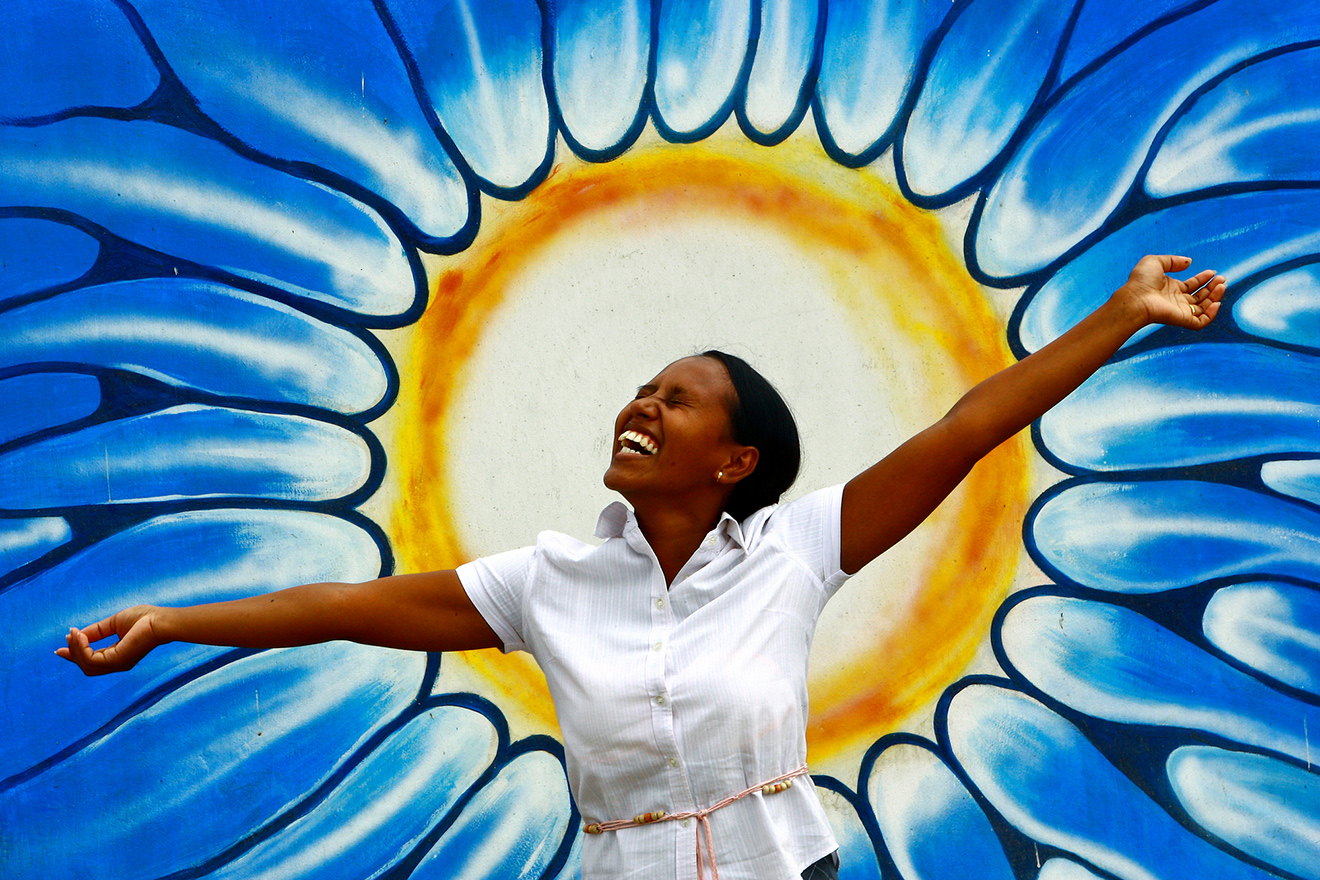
(675, 532)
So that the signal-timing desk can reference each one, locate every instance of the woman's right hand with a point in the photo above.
(135, 629)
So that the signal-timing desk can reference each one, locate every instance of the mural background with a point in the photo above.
(304, 292)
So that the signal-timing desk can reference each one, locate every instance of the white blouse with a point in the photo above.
(673, 698)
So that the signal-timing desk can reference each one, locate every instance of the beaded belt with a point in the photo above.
(770, 786)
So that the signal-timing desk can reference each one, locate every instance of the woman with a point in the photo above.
(676, 651)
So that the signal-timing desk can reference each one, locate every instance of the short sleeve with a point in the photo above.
(497, 586)
(810, 528)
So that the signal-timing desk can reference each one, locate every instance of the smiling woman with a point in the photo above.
(665, 252)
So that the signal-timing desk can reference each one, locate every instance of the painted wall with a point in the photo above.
(319, 291)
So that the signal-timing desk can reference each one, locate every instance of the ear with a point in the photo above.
(741, 464)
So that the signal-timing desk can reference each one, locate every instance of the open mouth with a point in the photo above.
(637, 443)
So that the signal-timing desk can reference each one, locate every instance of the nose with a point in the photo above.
(647, 407)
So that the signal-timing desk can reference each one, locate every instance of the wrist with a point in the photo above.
(161, 624)
(1130, 309)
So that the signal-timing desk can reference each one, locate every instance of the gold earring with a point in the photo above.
(719, 478)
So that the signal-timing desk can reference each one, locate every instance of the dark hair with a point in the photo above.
(759, 417)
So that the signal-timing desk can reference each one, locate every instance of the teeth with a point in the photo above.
(643, 443)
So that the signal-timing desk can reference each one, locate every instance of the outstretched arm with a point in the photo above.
(424, 612)
(884, 503)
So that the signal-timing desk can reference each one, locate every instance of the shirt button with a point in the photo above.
(708, 542)
(659, 603)
(673, 762)
(657, 646)
(685, 822)
(660, 700)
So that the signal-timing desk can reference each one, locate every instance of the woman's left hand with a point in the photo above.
(1192, 303)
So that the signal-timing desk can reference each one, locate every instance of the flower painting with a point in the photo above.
(305, 292)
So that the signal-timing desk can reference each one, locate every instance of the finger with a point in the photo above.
(102, 629)
(1191, 286)
(1207, 315)
(1172, 262)
(83, 644)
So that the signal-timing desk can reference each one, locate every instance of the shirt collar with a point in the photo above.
(617, 518)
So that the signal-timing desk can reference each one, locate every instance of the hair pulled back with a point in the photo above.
(759, 417)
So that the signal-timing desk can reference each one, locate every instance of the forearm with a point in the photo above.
(421, 612)
(301, 615)
(888, 500)
(1008, 401)
(424, 612)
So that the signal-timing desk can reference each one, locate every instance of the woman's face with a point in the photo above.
(674, 437)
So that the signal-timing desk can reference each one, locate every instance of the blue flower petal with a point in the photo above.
(1101, 27)
(1046, 779)
(1158, 535)
(601, 50)
(481, 64)
(701, 47)
(179, 559)
(50, 48)
(187, 451)
(28, 539)
(1285, 308)
(572, 869)
(1269, 627)
(1300, 479)
(511, 829)
(36, 254)
(1113, 663)
(931, 825)
(1178, 406)
(778, 88)
(857, 859)
(231, 746)
(1259, 124)
(319, 83)
(192, 198)
(1081, 160)
(868, 64)
(38, 401)
(200, 335)
(1065, 869)
(383, 807)
(983, 80)
(1239, 235)
(1264, 807)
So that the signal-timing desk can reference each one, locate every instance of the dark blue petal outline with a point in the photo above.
(644, 106)
(141, 704)
(1018, 848)
(737, 95)
(476, 183)
(506, 754)
(1135, 203)
(1144, 766)
(173, 104)
(992, 168)
(805, 92)
(93, 524)
(919, 68)
(321, 792)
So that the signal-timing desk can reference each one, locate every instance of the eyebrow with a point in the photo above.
(675, 390)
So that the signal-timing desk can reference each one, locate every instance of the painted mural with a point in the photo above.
(299, 292)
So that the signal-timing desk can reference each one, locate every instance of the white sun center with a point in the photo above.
(603, 309)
